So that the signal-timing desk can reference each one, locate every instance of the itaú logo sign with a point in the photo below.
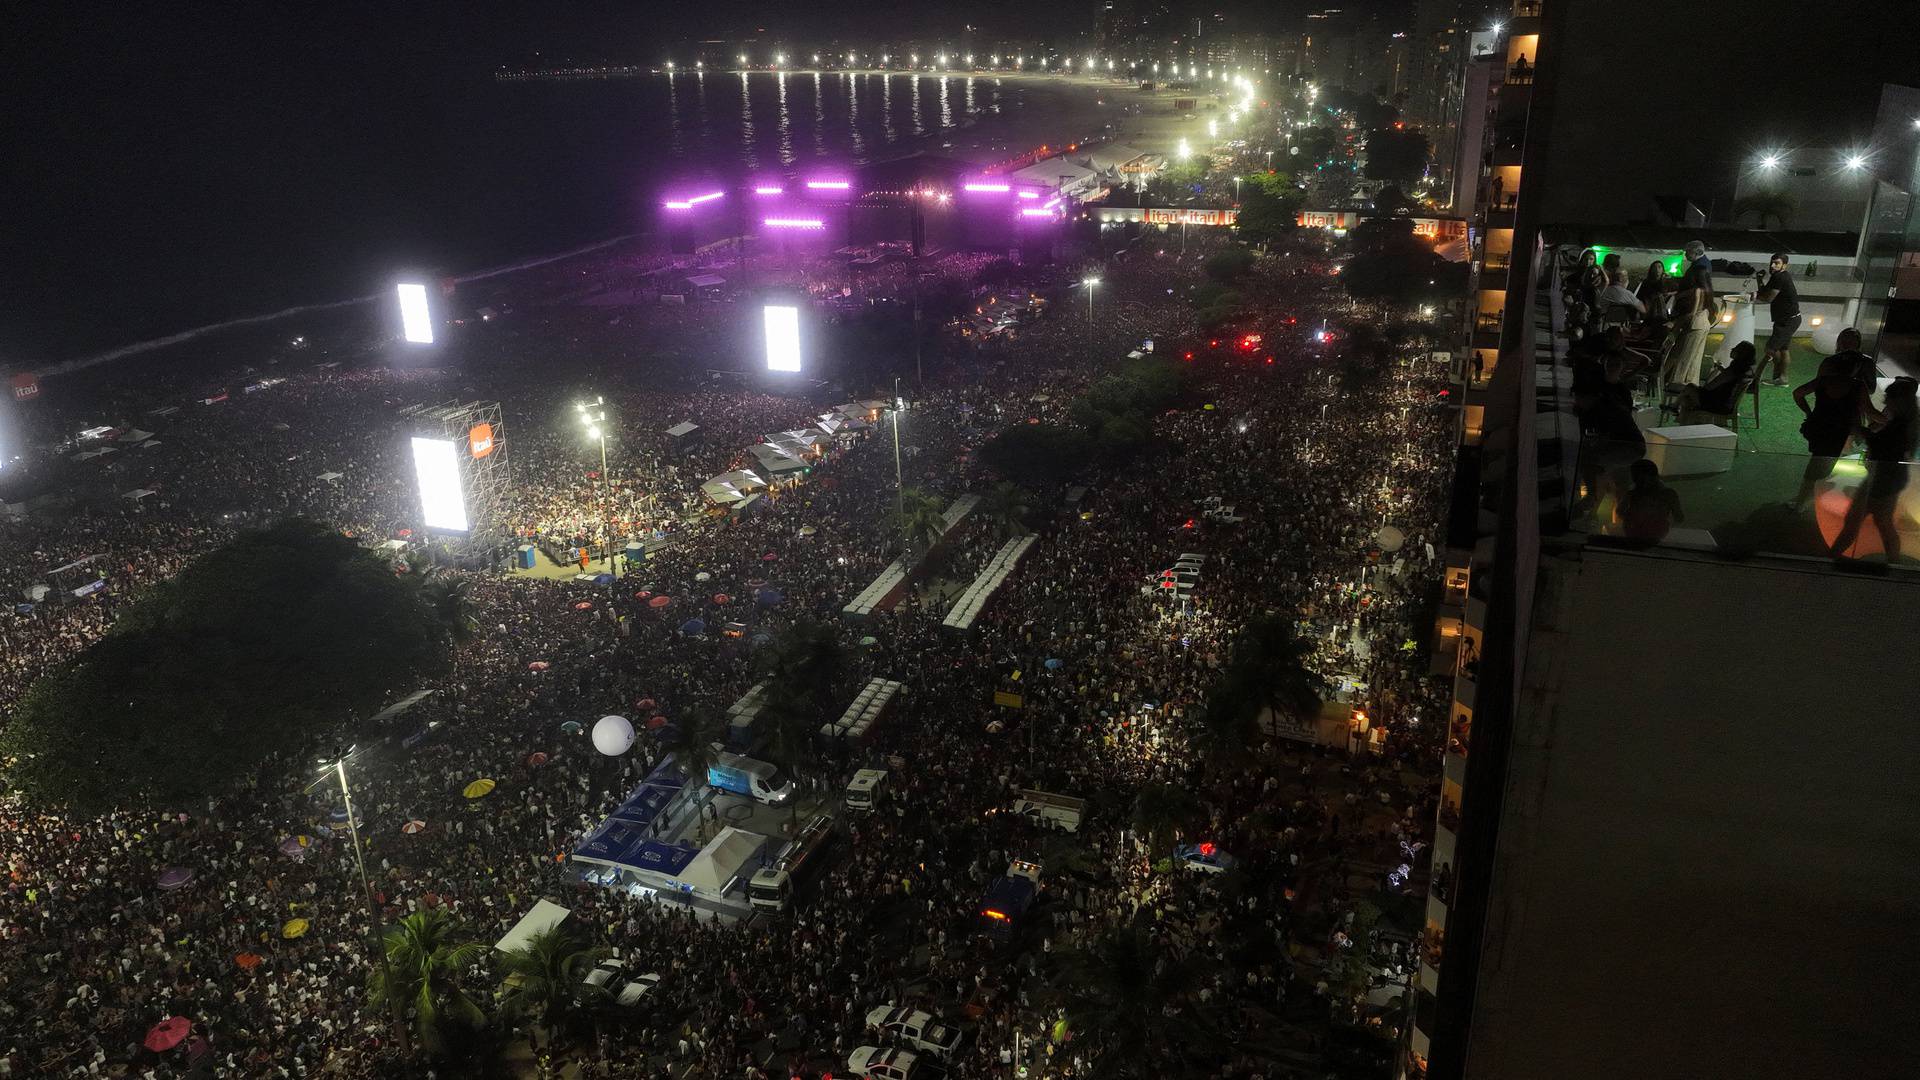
(480, 440)
(26, 385)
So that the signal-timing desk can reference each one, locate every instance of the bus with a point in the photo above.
(799, 865)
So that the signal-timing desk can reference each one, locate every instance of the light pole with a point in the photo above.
(899, 490)
(339, 768)
(1236, 191)
(1090, 283)
(594, 416)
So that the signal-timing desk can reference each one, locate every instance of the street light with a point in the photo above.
(1236, 191)
(899, 489)
(339, 768)
(1090, 283)
(593, 416)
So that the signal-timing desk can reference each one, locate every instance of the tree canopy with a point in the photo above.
(1397, 156)
(1269, 207)
(1392, 265)
(254, 648)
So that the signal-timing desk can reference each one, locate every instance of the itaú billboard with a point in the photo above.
(1164, 215)
(436, 466)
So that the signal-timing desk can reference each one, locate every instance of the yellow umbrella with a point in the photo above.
(294, 928)
(478, 788)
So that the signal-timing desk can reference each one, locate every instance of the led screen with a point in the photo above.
(415, 324)
(783, 338)
(436, 463)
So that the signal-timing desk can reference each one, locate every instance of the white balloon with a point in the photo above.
(612, 735)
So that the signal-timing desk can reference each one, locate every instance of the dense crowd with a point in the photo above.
(96, 953)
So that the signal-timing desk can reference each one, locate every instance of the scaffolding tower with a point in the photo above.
(480, 430)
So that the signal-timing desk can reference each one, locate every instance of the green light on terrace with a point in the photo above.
(1674, 261)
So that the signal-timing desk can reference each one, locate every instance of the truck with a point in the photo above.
(798, 866)
(757, 780)
(863, 791)
(1007, 899)
(1050, 811)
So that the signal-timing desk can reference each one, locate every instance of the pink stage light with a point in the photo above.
(1001, 188)
(769, 189)
(1035, 212)
(828, 185)
(793, 223)
(688, 204)
(1028, 194)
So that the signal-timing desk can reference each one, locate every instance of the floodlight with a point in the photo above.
(793, 223)
(436, 465)
(416, 322)
(783, 337)
(1856, 162)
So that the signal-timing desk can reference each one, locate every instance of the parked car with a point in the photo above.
(917, 1029)
(1203, 859)
(609, 980)
(885, 1063)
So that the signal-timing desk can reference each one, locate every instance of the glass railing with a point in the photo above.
(1703, 492)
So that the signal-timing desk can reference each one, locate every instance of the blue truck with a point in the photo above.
(1008, 898)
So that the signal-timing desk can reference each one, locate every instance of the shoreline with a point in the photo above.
(1153, 130)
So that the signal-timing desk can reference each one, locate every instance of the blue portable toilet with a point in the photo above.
(523, 557)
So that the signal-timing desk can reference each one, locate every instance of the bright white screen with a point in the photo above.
(415, 324)
(783, 338)
(436, 462)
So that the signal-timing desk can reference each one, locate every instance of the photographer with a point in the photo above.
(1775, 285)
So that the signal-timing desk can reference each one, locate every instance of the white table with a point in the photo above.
(1691, 449)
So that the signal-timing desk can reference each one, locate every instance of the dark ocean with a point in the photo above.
(190, 212)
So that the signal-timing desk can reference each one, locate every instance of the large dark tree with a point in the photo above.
(1396, 156)
(252, 650)
(1391, 265)
(1037, 454)
(1134, 1007)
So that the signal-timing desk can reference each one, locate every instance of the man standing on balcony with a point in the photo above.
(1777, 288)
(1693, 311)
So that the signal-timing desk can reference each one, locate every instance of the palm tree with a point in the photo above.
(426, 962)
(803, 666)
(1007, 505)
(695, 742)
(1132, 1005)
(919, 516)
(1277, 660)
(1229, 720)
(1161, 812)
(539, 979)
(452, 608)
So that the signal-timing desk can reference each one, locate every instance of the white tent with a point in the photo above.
(328, 476)
(720, 861)
(136, 494)
(684, 427)
(775, 460)
(545, 916)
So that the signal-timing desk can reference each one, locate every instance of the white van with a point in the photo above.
(1050, 811)
(864, 790)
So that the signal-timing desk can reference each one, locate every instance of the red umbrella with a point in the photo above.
(656, 722)
(414, 826)
(583, 605)
(660, 601)
(536, 759)
(167, 1034)
(642, 594)
(247, 961)
(722, 598)
(645, 704)
(538, 665)
(768, 557)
